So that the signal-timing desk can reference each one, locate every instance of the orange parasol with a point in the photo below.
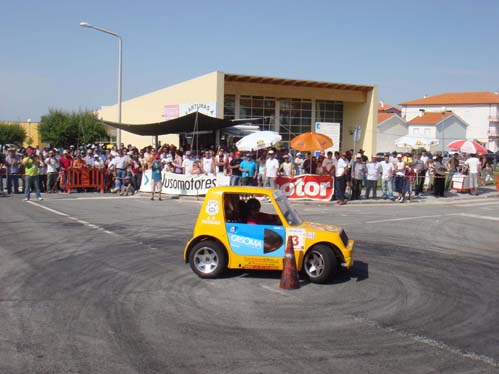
(311, 141)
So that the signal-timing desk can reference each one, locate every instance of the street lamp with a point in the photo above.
(87, 25)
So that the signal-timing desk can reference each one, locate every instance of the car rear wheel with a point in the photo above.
(319, 264)
(208, 259)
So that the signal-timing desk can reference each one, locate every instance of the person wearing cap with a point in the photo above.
(439, 176)
(248, 169)
(400, 169)
(286, 168)
(121, 162)
(271, 169)
(358, 171)
(127, 187)
(156, 176)
(373, 170)
(299, 164)
(236, 173)
(31, 164)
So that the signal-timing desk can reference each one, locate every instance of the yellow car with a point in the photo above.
(248, 228)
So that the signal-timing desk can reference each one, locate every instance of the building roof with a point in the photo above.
(429, 118)
(382, 117)
(294, 82)
(459, 98)
(385, 106)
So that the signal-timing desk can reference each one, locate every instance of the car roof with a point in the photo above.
(242, 189)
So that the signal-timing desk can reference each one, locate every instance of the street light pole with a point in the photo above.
(87, 25)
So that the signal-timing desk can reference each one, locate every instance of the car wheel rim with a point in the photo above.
(206, 260)
(314, 266)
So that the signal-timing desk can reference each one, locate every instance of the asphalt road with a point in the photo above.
(98, 285)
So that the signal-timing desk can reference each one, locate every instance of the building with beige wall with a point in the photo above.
(33, 137)
(289, 106)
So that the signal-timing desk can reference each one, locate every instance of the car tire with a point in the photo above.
(320, 264)
(208, 259)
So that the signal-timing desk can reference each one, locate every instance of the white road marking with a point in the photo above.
(98, 198)
(431, 342)
(85, 223)
(411, 218)
(479, 216)
(488, 203)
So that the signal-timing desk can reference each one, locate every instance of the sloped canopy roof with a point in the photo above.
(178, 125)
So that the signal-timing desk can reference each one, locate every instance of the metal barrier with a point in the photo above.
(82, 178)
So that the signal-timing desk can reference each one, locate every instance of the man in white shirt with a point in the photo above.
(187, 163)
(271, 169)
(52, 170)
(373, 170)
(328, 165)
(340, 178)
(386, 178)
(472, 164)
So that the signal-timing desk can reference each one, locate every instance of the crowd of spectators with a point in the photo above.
(402, 176)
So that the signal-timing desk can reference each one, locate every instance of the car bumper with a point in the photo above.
(349, 259)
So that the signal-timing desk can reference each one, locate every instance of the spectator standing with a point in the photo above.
(310, 164)
(373, 169)
(452, 165)
(271, 170)
(31, 164)
(357, 176)
(400, 178)
(299, 164)
(439, 176)
(386, 177)
(472, 164)
(136, 172)
(187, 163)
(419, 174)
(156, 176)
(248, 168)
(328, 165)
(340, 180)
(13, 163)
(286, 168)
(220, 162)
(261, 170)
(236, 174)
(42, 174)
(209, 163)
(121, 162)
(52, 170)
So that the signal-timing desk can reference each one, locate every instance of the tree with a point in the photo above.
(11, 133)
(61, 128)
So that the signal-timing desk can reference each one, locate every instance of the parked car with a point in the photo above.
(230, 234)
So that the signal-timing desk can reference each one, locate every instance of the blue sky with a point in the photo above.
(407, 48)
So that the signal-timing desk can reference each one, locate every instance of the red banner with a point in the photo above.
(308, 187)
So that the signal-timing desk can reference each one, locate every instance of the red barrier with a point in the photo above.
(82, 178)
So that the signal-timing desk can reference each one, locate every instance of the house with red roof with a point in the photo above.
(443, 126)
(480, 110)
(390, 127)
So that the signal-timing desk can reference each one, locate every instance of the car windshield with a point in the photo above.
(287, 211)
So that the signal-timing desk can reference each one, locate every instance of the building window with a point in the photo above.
(330, 111)
(258, 107)
(415, 131)
(427, 132)
(295, 118)
(230, 107)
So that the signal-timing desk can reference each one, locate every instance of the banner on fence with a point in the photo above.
(307, 187)
(179, 184)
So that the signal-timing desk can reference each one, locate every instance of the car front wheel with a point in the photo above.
(319, 264)
(208, 259)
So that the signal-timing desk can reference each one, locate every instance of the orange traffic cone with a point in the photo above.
(289, 277)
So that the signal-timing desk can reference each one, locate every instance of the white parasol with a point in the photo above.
(258, 140)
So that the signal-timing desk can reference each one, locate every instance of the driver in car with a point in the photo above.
(256, 217)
